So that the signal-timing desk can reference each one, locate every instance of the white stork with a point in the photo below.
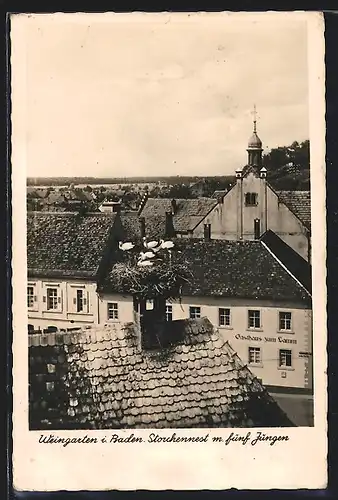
(145, 263)
(151, 245)
(126, 246)
(167, 244)
(146, 255)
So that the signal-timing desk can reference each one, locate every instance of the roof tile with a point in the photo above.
(58, 243)
(165, 391)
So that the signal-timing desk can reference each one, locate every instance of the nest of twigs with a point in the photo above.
(162, 279)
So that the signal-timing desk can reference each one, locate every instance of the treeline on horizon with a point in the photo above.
(288, 168)
(175, 179)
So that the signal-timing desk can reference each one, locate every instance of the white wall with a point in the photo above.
(232, 220)
(65, 316)
(125, 308)
(268, 337)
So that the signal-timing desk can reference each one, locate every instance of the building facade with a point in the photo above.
(259, 305)
(67, 255)
(245, 212)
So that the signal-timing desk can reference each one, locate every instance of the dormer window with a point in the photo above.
(251, 199)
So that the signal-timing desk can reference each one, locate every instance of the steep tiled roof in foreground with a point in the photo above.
(100, 378)
(67, 244)
(243, 269)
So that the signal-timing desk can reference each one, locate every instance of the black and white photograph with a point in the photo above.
(168, 210)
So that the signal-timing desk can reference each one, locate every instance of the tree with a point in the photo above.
(289, 166)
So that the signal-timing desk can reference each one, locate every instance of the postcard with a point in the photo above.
(169, 276)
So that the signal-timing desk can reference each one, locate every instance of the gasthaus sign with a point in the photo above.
(253, 338)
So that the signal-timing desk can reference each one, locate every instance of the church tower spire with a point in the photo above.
(255, 145)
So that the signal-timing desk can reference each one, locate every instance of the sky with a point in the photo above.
(166, 94)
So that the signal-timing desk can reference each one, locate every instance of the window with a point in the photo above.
(52, 298)
(285, 358)
(250, 199)
(79, 300)
(30, 296)
(224, 317)
(169, 312)
(284, 320)
(194, 312)
(30, 328)
(255, 357)
(113, 310)
(254, 319)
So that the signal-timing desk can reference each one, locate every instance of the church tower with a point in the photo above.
(255, 146)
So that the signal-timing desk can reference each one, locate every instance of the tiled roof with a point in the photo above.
(299, 202)
(219, 193)
(131, 225)
(154, 226)
(188, 213)
(67, 244)
(221, 268)
(100, 378)
(298, 266)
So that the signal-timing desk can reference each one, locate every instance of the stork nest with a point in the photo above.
(162, 279)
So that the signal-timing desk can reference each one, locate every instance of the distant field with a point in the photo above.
(100, 181)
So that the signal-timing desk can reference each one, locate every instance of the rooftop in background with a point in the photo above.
(243, 269)
(67, 244)
(299, 202)
(100, 378)
(187, 213)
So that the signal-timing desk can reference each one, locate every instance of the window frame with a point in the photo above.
(285, 366)
(169, 312)
(55, 297)
(79, 300)
(225, 325)
(30, 296)
(256, 350)
(256, 328)
(248, 200)
(115, 310)
(35, 305)
(199, 314)
(285, 330)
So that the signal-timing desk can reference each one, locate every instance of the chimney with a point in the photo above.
(238, 174)
(207, 232)
(257, 229)
(169, 225)
(117, 207)
(173, 206)
(142, 226)
(262, 173)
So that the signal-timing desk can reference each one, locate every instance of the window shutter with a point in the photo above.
(74, 301)
(60, 301)
(35, 298)
(44, 298)
(84, 301)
